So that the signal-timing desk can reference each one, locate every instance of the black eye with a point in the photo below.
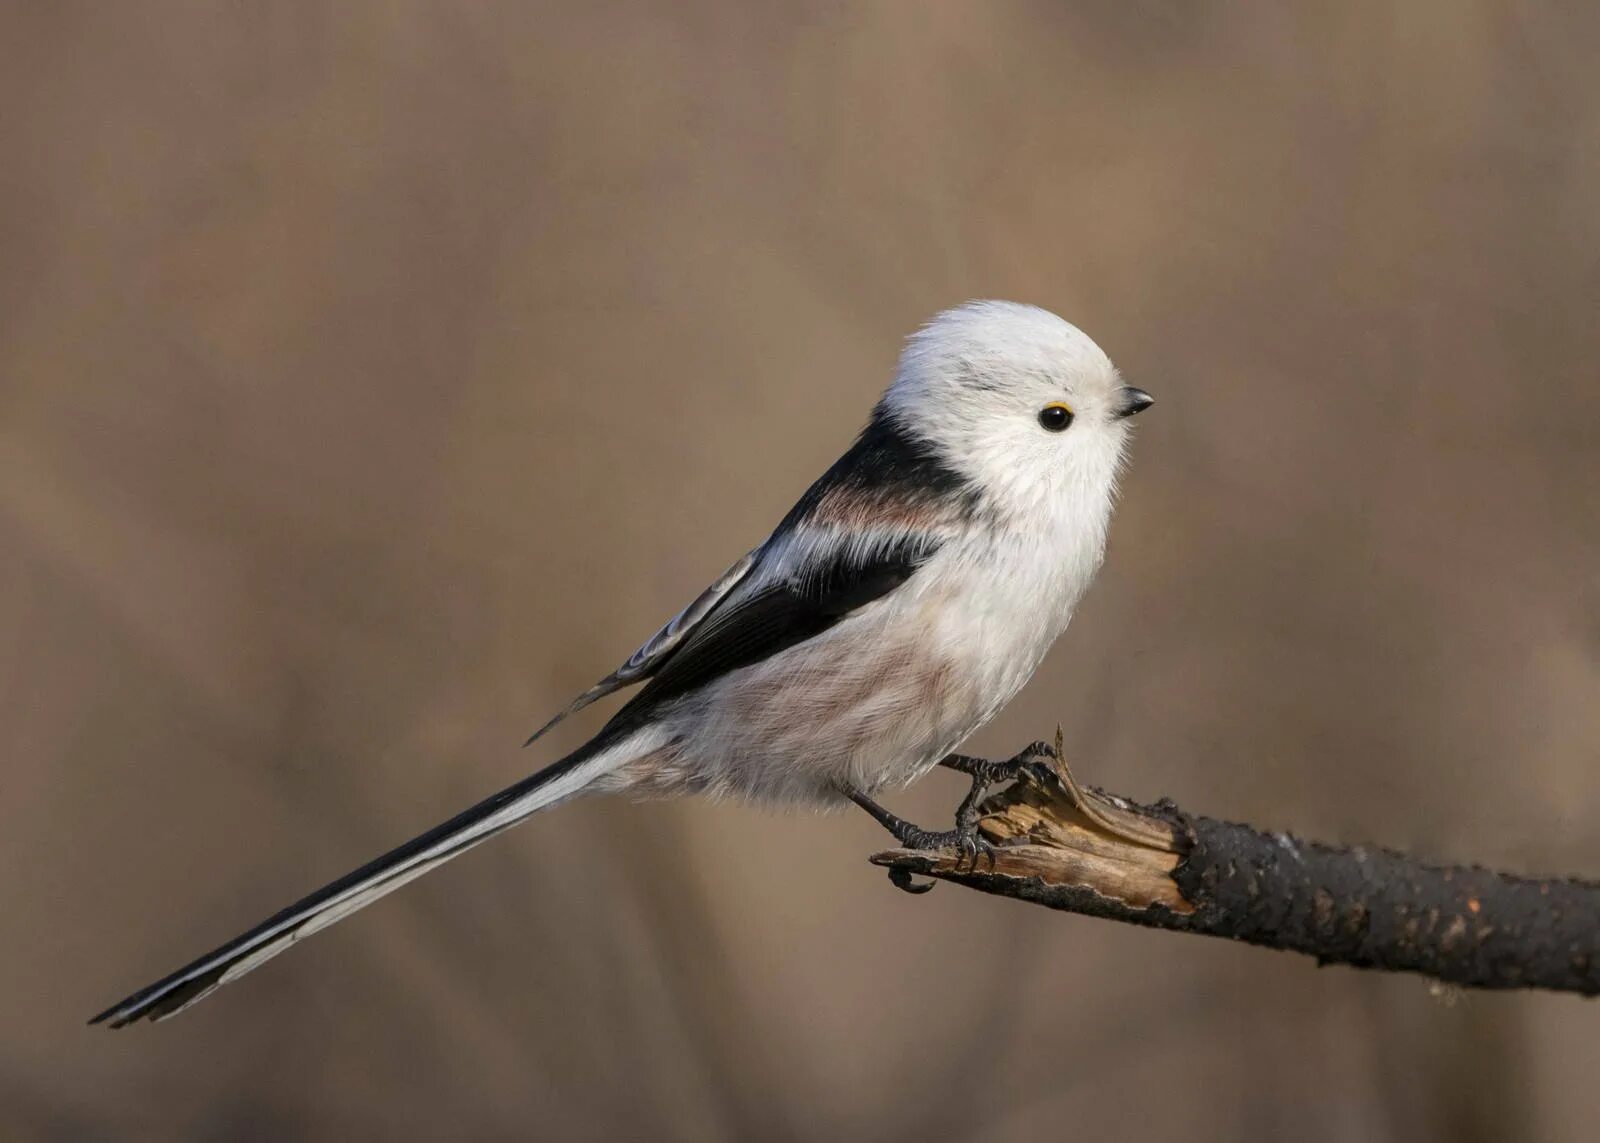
(1055, 417)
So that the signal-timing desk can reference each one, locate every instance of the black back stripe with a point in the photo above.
(887, 463)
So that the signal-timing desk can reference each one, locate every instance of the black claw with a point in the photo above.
(980, 850)
(900, 878)
(967, 855)
(1038, 772)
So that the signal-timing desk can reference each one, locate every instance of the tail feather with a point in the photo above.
(358, 889)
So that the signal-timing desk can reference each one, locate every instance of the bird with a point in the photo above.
(904, 600)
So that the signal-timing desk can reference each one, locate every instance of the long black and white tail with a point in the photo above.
(356, 890)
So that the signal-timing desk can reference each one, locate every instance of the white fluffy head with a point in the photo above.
(973, 382)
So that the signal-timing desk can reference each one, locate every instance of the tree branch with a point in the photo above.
(1067, 847)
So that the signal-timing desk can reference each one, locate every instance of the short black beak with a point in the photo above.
(1131, 402)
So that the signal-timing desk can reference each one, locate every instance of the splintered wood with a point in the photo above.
(1067, 836)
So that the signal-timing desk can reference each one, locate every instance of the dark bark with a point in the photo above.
(1086, 852)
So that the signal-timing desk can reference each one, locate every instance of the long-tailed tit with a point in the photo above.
(897, 607)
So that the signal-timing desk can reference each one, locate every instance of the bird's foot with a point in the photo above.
(965, 839)
(1035, 762)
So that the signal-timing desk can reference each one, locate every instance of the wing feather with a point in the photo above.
(770, 614)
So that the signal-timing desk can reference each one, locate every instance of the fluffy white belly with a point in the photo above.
(873, 702)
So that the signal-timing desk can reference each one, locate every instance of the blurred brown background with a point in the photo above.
(374, 377)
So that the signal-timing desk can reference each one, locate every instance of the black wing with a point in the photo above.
(757, 622)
